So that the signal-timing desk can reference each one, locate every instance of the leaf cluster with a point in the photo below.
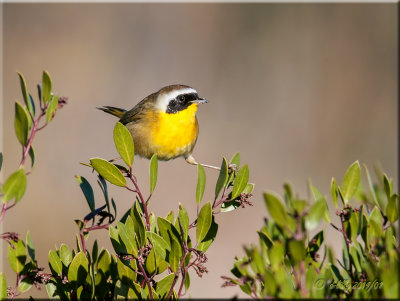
(291, 262)
(153, 257)
(30, 117)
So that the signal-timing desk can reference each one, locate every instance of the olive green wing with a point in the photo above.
(139, 111)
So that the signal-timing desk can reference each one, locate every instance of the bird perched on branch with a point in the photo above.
(164, 123)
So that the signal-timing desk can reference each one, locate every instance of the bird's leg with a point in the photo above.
(191, 160)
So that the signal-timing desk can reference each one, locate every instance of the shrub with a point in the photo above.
(291, 262)
(153, 256)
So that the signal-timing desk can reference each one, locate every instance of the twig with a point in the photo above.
(146, 279)
(83, 241)
(86, 230)
(3, 211)
(183, 282)
(335, 227)
(33, 133)
(133, 179)
(180, 267)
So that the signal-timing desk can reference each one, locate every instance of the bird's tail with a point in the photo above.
(113, 111)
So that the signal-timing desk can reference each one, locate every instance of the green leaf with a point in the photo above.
(174, 255)
(31, 104)
(78, 269)
(235, 159)
(95, 251)
(87, 192)
(21, 123)
(392, 209)
(32, 155)
(118, 246)
(375, 225)
(3, 287)
(264, 236)
(276, 209)
(222, 178)
(128, 236)
(39, 89)
(353, 221)
(187, 281)
(46, 87)
(387, 186)
(315, 214)
(65, 255)
(55, 262)
(17, 255)
(249, 188)
(140, 229)
(104, 262)
(203, 222)
(336, 273)
(128, 291)
(124, 143)
(168, 230)
(351, 180)
(25, 93)
(51, 108)
(108, 171)
(153, 222)
(51, 289)
(184, 220)
(240, 182)
(31, 247)
(209, 238)
(276, 254)
(201, 183)
(15, 186)
(164, 285)
(319, 197)
(160, 245)
(316, 242)
(151, 262)
(354, 257)
(153, 172)
(297, 250)
(170, 216)
(345, 254)
(371, 187)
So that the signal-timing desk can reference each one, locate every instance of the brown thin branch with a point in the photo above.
(146, 279)
(133, 179)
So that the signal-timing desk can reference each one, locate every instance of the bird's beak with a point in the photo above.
(200, 100)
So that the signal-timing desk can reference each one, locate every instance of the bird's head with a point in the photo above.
(175, 98)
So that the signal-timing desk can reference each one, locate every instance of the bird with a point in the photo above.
(164, 123)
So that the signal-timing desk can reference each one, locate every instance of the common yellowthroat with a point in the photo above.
(164, 123)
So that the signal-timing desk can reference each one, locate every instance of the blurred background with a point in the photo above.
(300, 90)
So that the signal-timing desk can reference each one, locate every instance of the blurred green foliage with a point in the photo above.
(293, 260)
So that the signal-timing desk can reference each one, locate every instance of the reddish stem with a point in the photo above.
(3, 211)
(133, 179)
(83, 242)
(86, 230)
(33, 133)
(146, 279)
(182, 283)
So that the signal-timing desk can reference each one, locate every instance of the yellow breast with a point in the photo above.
(174, 135)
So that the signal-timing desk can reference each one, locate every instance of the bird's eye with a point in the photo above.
(182, 98)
